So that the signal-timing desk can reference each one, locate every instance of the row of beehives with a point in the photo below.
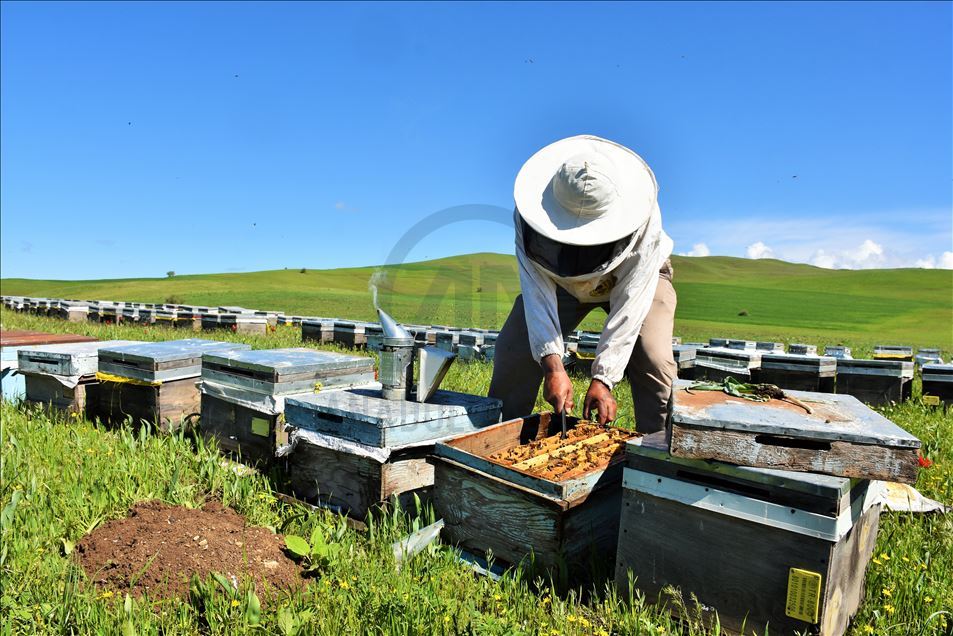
(763, 545)
(881, 380)
(468, 344)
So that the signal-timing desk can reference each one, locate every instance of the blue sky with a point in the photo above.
(139, 138)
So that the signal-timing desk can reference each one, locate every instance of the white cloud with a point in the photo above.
(925, 263)
(698, 249)
(868, 255)
(760, 250)
(946, 261)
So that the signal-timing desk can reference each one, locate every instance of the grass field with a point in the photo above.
(782, 301)
(64, 477)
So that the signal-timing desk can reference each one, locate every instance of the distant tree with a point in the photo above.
(743, 312)
(174, 300)
(303, 270)
(170, 273)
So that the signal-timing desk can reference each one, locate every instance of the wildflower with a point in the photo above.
(905, 560)
(555, 632)
(546, 600)
(584, 622)
(884, 556)
(877, 561)
(344, 585)
(890, 609)
(106, 594)
(602, 632)
(887, 592)
(867, 629)
(235, 602)
(571, 618)
(660, 629)
(446, 618)
(925, 462)
(497, 597)
(928, 599)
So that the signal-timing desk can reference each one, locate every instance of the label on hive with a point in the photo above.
(260, 426)
(804, 595)
(931, 400)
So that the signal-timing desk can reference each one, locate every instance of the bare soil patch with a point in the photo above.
(158, 547)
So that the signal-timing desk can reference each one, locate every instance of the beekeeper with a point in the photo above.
(589, 234)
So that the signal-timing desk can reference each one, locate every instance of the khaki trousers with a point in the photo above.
(651, 369)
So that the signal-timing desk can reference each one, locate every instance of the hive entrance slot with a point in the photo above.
(790, 442)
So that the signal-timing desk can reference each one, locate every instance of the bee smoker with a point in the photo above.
(398, 354)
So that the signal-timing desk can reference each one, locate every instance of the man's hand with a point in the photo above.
(557, 387)
(599, 402)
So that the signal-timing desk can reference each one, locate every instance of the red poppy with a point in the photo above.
(925, 462)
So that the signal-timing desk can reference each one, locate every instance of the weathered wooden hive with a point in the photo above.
(718, 363)
(839, 352)
(813, 432)
(155, 382)
(164, 317)
(875, 382)
(243, 323)
(271, 317)
(800, 349)
(243, 393)
(558, 509)
(938, 384)
(317, 330)
(893, 352)
(743, 345)
(73, 311)
(61, 376)
(798, 372)
(350, 334)
(928, 356)
(770, 550)
(129, 313)
(351, 449)
(190, 319)
(685, 360)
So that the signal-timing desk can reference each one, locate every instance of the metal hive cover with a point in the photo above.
(834, 417)
(288, 361)
(74, 359)
(169, 350)
(786, 360)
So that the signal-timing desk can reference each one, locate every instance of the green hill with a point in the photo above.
(718, 296)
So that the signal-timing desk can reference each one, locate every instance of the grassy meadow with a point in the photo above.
(62, 477)
(779, 301)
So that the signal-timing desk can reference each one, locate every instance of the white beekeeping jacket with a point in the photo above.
(627, 283)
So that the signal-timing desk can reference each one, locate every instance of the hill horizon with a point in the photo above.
(717, 295)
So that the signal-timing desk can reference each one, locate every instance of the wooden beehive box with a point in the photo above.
(210, 320)
(685, 361)
(59, 375)
(800, 349)
(164, 317)
(798, 372)
(876, 382)
(718, 363)
(840, 436)
(565, 523)
(317, 330)
(839, 352)
(155, 382)
(354, 450)
(771, 551)
(349, 334)
(243, 393)
(938, 384)
(893, 352)
(243, 323)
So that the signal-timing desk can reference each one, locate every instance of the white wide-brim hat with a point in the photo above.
(585, 190)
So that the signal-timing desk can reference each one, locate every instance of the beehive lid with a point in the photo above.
(279, 363)
(721, 357)
(938, 372)
(891, 368)
(834, 417)
(801, 349)
(776, 347)
(158, 361)
(654, 449)
(23, 338)
(684, 353)
(793, 361)
(73, 359)
(362, 415)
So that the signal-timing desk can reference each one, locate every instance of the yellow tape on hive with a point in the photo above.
(109, 377)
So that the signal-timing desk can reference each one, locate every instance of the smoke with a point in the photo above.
(377, 278)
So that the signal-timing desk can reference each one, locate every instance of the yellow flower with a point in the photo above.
(106, 594)
(446, 619)
(584, 621)
(884, 556)
(890, 609)
(886, 592)
(570, 619)
(928, 599)
(497, 597)
(868, 629)
(555, 632)
(905, 559)
(602, 632)
(877, 561)
(660, 629)
(344, 585)
(235, 602)
(546, 600)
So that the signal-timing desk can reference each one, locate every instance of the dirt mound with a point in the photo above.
(158, 547)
